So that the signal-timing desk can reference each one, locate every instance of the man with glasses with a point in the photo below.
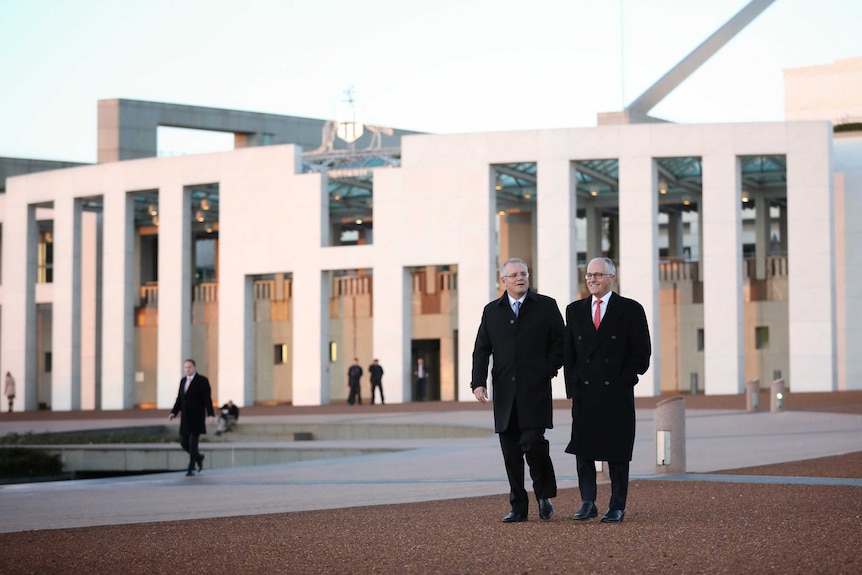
(523, 332)
(607, 346)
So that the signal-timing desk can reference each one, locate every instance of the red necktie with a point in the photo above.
(597, 318)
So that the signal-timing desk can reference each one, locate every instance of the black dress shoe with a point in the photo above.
(587, 511)
(515, 517)
(613, 516)
(190, 473)
(546, 509)
(201, 462)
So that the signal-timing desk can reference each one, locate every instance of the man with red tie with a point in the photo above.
(194, 400)
(607, 346)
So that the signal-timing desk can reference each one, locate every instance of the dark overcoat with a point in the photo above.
(527, 353)
(195, 404)
(601, 368)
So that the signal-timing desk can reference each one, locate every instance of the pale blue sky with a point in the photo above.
(441, 66)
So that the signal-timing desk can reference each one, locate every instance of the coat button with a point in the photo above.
(579, 338)
(513, 378)
(613, 337)
(511, 321)
(607, 383)
(606, 361)
(586, 383)
(588, 361)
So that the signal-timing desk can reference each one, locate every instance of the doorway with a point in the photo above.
(429, 351)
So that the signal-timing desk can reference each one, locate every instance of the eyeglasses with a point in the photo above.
(589, 276)
(517, 275)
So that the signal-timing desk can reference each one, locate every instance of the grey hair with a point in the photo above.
(513, 261)
(609, 264)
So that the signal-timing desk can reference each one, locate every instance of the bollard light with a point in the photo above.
(780, 397)
(755, 400)
(662, 448)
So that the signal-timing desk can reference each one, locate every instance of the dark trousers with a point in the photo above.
(189, 442)
(377, 385)
(530, 445)
(619, 474)
(420, 388)
(354, 396)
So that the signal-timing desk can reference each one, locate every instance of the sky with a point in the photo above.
(447, 66)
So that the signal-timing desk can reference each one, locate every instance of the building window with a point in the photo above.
(761, 337)
(280, 353)
(48, 362)
(700, 339)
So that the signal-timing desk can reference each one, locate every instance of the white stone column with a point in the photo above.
(18, 354)
(393, 328)
(721, 271)
(811, 259)
(557, 241)
(638, 244)
(311, 346)
(477, 269)
(91, 305)
(175, 298)
(66, 331)
(118, 301)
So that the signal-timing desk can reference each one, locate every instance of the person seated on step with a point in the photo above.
(229, 415)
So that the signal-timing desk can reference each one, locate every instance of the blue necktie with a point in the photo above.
(516, 308)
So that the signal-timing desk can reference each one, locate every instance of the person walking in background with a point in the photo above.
(194, 402)
(523, 332)
(354, 376)
(10, 389)
(376, 373)
(421, 379)
(607, 346)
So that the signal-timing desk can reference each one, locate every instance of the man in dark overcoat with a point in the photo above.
(607, 346)
(523, 332)
(194, 400)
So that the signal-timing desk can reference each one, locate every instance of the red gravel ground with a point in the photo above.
(670, 527)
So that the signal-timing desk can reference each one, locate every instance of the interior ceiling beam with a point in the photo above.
(506, 170)
(597, 175)
(669, 178)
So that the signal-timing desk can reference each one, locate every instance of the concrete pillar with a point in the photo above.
(670, 436)
(782, 229)
(674, 235)
(393, 329)
(721, 271)
(175, 289)
(638, 232)
(595, 233)
(119, 291)
(761, 233)
(66, 332)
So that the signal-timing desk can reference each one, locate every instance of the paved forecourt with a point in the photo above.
(418, 470)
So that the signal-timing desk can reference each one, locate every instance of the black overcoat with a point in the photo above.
(195, 404)
(601, 369)
(527, 353)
